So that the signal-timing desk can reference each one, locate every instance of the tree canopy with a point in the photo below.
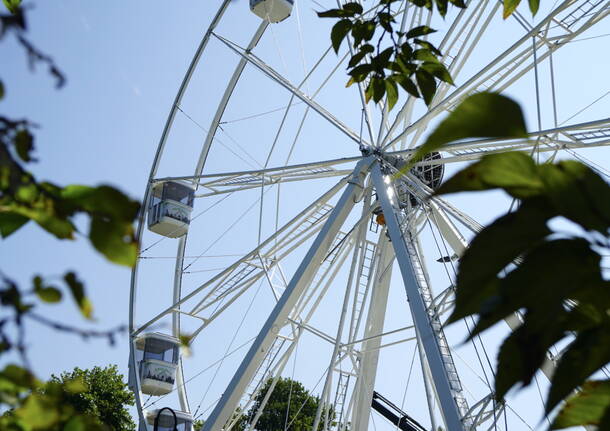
(92, 399)
(290, 407)
(105, 398)
(32, 404)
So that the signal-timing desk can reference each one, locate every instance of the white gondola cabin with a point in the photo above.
(272, 10)
(169, 211)
(166, 422)
(158, 359)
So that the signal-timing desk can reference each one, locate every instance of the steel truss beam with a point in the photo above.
(582, 135)
(446, 383)
(278, 78)
(301, 279)
(512, 63)
(362, 394)
(274, 362)
(286, 233)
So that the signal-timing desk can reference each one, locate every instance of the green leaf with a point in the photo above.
(441, 5)
(359, 73)
(425, 54)
(407, 51)
(76, 385)
(406, 83)
(356, 58)
(386, 20)
(19, 376)
(525, 350)
(45, 215)
(422, 30)
(48, 294)
(548, 275)
(339, 31)
(185, 344)
(24, 144)
(103, 199)
(78, 293)
(430, 47)
(368, 92)
(114, 240)
(378, 85)
(578, 193)
(334, 13)
(11, 222)
(15, 382)
(381, 61)
(76, 423)
(12, 5)
(587, 354)
(353, 8)
(438, 70)
(477, 276)
(423, 3)
(39, 411)
(509, 7)
(479, 115)
(587, 407)
(426, 84)
(515, 172)
(363, 30)
(534, 5)
(392, 92)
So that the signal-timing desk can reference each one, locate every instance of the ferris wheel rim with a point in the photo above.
(141, 222)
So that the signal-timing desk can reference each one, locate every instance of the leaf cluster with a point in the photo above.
(408, 61)
(551, 278)
(290, 403)
(77, 401)
(15, 22)
(19, 304)
(290, 406)
(28, 403)
(23, 198)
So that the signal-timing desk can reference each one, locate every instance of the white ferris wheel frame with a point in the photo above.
(368, 177)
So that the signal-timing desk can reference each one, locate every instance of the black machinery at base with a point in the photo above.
(394, 414)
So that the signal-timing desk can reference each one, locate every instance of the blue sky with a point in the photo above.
(124, 62)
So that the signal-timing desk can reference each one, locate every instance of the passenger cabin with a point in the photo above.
(169, 211)
(166, 422)
(157, 355)
(272, 10)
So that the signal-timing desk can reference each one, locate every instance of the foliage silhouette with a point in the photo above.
(31, 404)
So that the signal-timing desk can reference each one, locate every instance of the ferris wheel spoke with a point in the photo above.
(211, 179)
(485, 410)
(583, 135)
(211, 134)
(549, 35)
(278, 78)
(431, 336)
(231, 182)
(301, 279)
(576, 136)
(352, 281)
(289, 334)
(457, 46)
(290, 235)
(362, 392)
(452, 239)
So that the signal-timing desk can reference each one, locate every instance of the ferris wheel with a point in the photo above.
(280, 243)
